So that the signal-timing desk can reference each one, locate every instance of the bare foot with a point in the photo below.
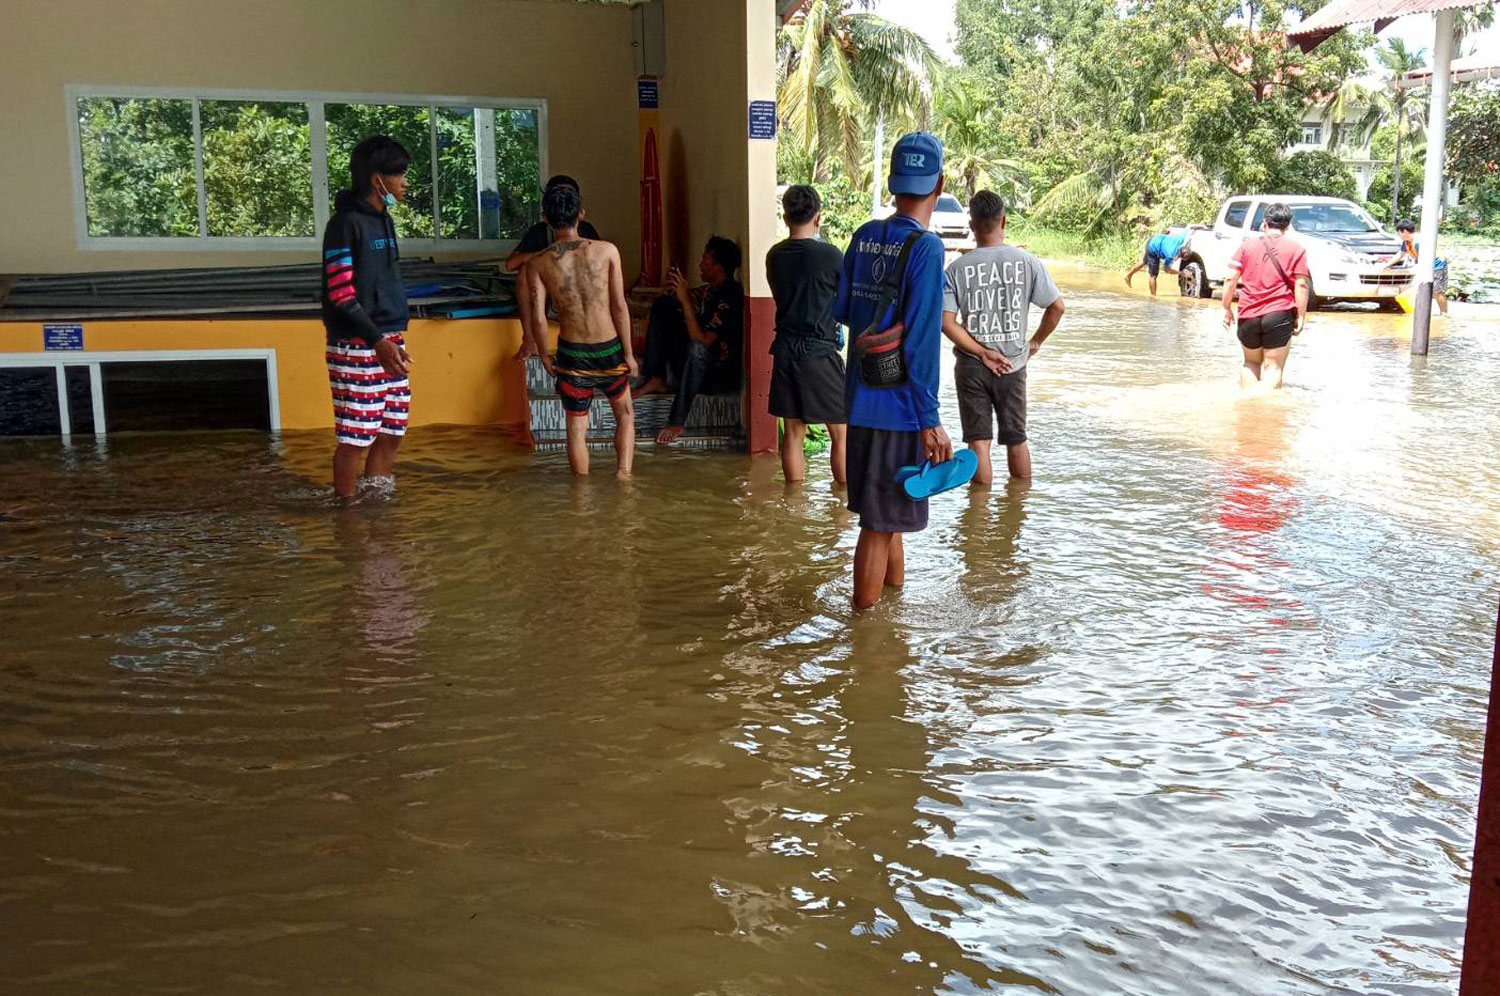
(670, 434)
(654, 385)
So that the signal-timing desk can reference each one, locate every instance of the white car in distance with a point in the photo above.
(950, 220)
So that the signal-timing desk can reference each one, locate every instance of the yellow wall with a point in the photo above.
(463, 372)
(576, 56)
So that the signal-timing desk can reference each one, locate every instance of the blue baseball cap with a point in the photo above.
(916, 164)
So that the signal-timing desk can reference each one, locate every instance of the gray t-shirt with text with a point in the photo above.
(992, 291)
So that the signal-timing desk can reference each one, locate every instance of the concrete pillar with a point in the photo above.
(760, 206)
(1481, 970)
(720, 55)
(1432, 179)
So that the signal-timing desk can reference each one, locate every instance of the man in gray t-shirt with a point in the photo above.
(986, 303)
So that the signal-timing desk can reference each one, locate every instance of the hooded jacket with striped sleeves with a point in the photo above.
(363, 297)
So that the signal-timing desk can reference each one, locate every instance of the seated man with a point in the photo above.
(583, 278)
(695, 335)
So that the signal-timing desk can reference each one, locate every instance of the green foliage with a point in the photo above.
(1378, 197)
(1321, 174)
(349, 124)
(257, 168)
(838, 69)
(1473, 146)
(138, 168)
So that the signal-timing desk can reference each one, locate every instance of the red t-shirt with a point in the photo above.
(1262, 289)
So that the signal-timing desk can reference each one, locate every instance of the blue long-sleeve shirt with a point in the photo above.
(914, 405)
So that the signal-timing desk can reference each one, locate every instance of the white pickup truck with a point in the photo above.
(1347, 250)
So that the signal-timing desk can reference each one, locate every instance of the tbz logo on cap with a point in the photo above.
(915, 160)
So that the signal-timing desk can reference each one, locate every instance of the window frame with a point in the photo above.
(318, 151)
(93, 360)
(1316, 127)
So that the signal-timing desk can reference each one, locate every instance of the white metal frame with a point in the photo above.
(318, 145)
(93, 359)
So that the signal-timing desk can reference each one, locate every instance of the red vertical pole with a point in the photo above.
(760, 326)
(1481, 971)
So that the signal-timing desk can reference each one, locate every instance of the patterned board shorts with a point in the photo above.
(367, 401)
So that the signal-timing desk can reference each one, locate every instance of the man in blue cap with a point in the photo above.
(892, 425)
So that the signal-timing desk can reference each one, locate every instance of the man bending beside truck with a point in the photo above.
(1270, 276)
(1162, 249)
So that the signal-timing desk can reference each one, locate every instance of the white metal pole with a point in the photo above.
(875, 176)
(1432, 179)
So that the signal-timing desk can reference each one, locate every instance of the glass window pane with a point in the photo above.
(488, 172)
(28, 402)
(518, 169)
(257, 168)
(80, 400)
(138, 176)
(349, 124)
(185, 395)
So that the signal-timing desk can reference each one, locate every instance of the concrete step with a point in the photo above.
(713, 423)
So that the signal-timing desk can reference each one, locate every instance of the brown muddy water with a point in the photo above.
(1199, 711)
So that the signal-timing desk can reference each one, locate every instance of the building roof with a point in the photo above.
(1341, 13)
(1466, 70)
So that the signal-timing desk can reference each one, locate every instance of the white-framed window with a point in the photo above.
(172, 168)
(1312, 133)
(94, 392)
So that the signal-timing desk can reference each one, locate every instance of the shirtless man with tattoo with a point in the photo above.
(583, 279)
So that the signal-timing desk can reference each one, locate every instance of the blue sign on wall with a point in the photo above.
(62, 337)
(762, 119)
(489, 199)
(646, 94)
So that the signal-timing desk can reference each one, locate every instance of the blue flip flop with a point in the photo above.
(929, 479)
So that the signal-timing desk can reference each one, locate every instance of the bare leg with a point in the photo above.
(985, 475)
(1273, 367)
(578, 445)
(1442, 301)
(624, 433)
(1018, 458)
(895, 563)
(1153, 286)
(871, 566)
(347, 459)
(381, 460)
(838, 432)
(1250, 372)
(793, 437)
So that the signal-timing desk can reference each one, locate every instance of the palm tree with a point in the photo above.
(840, 69)
(1357, 110)
(965, 121)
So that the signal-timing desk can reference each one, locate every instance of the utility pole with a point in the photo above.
(1432, 179)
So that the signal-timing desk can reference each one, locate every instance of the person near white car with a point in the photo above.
(1269, 275)
(1162, 249)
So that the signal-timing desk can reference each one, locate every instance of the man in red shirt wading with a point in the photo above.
(1270, 273)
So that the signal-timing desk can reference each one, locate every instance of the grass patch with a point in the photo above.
(1111, 251)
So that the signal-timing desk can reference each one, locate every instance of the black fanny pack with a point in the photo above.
(879, 351)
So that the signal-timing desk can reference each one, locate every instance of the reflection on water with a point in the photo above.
(1198, 710)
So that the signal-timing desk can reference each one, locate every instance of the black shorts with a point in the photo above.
(810, 390)
(873, 457)
(1152, 262)
(1268, 331)
(983, 397)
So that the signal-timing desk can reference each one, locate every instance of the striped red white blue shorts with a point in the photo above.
(367, 401)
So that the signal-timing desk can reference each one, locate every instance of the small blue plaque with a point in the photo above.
(762, 119)
(56, 337)
(489, 199)
(646, 94)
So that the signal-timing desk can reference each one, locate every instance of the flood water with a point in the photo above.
(1199, 711)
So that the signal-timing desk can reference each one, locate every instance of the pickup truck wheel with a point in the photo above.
(1192, 281)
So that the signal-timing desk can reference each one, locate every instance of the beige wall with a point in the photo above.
(576, 56)
(705, 112)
